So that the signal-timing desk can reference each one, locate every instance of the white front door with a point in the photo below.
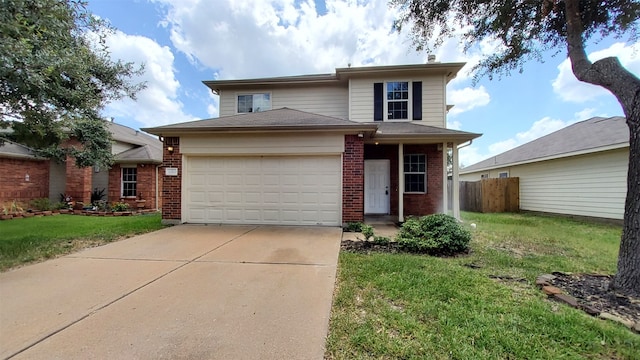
(376, 186)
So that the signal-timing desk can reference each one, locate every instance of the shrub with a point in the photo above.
(119, 206)
(97, 195)
(353, 227)
(381, 240)
(437, 234)
(42, 204)
(367, 231)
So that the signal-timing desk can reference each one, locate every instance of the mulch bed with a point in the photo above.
(592, 290)
(365, 247)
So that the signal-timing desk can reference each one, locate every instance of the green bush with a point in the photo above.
(119, 206)
(367, 231)
(353, 227)
(42, 204)
(381, 240)
(437, 234)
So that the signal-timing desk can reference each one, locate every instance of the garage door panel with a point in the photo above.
(264, 190)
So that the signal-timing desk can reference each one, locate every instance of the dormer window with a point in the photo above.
(248, 103)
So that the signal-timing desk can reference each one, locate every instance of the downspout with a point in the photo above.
(157, 197)
(400, 182)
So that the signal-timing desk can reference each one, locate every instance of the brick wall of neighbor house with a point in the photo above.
(145, 185)
(171, 185)
(431, 201)
(14, 184)
(353, 179)
(78, 181)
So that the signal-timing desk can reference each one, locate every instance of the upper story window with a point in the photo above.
(254, 103)
(397, 100)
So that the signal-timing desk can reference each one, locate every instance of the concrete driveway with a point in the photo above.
(185, 292)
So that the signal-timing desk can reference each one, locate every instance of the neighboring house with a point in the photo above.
(23, 175)
(579, 170)
(133, 176)
(315, 149)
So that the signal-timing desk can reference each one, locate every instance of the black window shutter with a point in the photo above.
(378, 102)
(417, 100)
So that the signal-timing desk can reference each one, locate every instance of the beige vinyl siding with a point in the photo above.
(261, 144)
(585, 185)
(433, 99)
(323, 100)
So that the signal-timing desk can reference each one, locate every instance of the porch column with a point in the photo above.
(455, 188)
(445, 195)
(400, 182)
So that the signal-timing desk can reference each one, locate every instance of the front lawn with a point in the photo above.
(34, 239)
(479, 306)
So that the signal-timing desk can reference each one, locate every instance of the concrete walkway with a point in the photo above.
(186, 292)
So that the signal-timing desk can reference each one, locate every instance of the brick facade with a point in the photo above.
(14, 184)
(145, 186)
(353, 179)
(171, 185)
(414, 204)
(431, 201)
(79, 181)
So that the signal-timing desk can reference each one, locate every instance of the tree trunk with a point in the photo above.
(611, 75)
(628, 277)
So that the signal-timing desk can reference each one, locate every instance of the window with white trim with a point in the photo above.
(415, 173)
(129, 181)
(248, 103)
(503, 175)
(398, 100)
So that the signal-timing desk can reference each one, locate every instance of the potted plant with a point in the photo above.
(140, 202)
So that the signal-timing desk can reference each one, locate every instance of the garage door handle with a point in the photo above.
(386, 192)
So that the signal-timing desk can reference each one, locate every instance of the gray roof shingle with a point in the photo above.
(11, 149)
(592, 134)
(149, 148)
(278, 119)
(290, 119)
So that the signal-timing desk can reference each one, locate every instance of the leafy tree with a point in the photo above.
(525, 29)
(56, 76)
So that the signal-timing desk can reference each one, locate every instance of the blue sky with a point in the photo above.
(183, 42)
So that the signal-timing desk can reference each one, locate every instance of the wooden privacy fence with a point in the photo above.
(490, 195)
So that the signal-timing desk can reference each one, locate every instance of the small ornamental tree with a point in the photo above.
(56, 75)
(525, 29)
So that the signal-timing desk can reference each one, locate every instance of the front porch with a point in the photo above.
(403, 180)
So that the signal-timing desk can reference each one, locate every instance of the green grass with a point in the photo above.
(401, 306)
(28, 240)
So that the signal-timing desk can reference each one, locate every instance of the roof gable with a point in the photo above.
(590, 135)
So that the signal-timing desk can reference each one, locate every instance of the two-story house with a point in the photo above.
(315, 149)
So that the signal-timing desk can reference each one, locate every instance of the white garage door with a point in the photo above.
(287, 190)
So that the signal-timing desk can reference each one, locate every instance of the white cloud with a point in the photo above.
(454, 125)
(466, 99)
(570, 89)
(158, 104)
